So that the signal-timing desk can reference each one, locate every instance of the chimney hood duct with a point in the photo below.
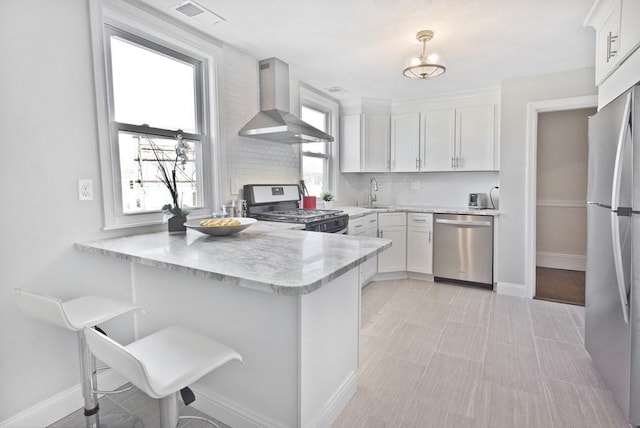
(274, 122)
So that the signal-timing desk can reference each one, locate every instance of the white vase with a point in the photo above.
(328, 205)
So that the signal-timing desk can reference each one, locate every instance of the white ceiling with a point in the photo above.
(361, 45)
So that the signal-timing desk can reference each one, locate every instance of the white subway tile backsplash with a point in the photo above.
(249, 160)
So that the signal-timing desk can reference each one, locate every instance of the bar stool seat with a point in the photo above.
(75, 315)
(163, 363)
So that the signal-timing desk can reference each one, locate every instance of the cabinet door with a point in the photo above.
(475, 138)
(350, 143)
(629, 28)
(438, 137)
(405, 142)
(420, 250)
(376, 143)
(608, 40)
(394, 259)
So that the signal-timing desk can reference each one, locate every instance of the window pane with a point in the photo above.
(314, 117)
(142, 189)
(152, 88)
(317, 119)
(313, 174)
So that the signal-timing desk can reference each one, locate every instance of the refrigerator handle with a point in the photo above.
(615, 205)
(617, 261)
(617, 169)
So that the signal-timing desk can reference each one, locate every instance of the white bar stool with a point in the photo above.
(75, 315)
(163, 363)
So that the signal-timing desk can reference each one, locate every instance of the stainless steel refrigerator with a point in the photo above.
(612, 310)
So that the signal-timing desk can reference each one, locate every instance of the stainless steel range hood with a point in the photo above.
(274, 122)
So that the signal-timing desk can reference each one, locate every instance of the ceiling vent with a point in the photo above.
(197, 12)
(336, 90)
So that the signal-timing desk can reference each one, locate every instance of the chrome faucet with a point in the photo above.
(373, 187)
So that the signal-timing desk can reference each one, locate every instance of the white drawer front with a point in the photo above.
(420, 220)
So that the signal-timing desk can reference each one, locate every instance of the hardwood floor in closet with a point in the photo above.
(559, 285)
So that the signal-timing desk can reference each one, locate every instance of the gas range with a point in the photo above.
(280, 202)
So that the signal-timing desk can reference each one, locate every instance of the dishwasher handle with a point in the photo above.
(466, 223)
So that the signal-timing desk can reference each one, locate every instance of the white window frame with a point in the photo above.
(107, 13)
(309, 97)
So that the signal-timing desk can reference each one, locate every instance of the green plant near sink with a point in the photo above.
(327, 197)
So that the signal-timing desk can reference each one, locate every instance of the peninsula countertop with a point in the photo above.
(263, 257)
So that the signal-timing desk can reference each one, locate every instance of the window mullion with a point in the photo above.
(155, 132)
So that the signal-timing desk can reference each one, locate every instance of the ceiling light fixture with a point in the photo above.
(424, 67)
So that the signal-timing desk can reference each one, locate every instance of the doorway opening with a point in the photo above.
(561, 209)
(534, 111)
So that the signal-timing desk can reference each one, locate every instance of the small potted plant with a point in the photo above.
(327, 197)
(167, 173)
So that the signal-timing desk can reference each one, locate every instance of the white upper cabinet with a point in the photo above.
(629, 27)
(350, 143)
(376, 143)
(461, 139)
(475, 138)
(617, 34)
(444, 135)
(438, 140)
(605, 19)
(405, 142)
(364, 143)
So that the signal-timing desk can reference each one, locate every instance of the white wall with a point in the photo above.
(516, 94)
(49, 141)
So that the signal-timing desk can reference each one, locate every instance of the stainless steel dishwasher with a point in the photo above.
(463, 249)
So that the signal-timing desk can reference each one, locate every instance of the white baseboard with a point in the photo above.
(60, 405)
(337, 402)
(561, 261)
(516, 290)
(229, 413)
(237, 417)
(382, 276)
(420, 276)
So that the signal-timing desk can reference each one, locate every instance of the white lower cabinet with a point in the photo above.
(420, 243)
(366, 226)
(393, 226)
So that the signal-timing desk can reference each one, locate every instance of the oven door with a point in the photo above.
(333, 225)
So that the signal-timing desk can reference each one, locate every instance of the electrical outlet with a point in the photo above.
(85, 190)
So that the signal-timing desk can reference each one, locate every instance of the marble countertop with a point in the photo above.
(267, 256)
(355, 212)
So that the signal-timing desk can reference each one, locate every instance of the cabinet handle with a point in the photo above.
(373, 221)
(382, 234)
(358, 225)
(417, 163)
(610, 40)
(452, 164)
(429, 236)
(419, 220)
(457, 162)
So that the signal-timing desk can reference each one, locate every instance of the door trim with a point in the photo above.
(531, 166)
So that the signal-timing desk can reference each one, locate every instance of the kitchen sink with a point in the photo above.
(378, 207)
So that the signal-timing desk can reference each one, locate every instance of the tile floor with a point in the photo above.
(139, 404)
(439, 355)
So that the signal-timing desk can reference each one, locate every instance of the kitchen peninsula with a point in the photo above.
(287, 300)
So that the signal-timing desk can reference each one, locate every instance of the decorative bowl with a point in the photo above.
(220, 230)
